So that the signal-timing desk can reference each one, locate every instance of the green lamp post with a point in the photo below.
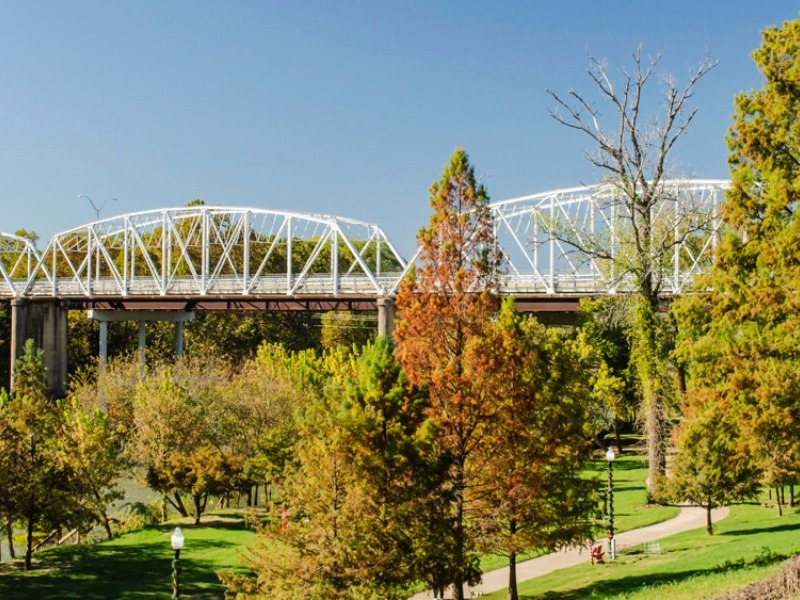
(177, 543)
(611, 545)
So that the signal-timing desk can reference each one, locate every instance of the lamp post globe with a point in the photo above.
(177, 539)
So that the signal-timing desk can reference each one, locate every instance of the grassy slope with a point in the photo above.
(746, 547)
(137, 565)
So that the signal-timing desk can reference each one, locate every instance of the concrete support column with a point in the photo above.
(44, 322)
(142, 339)
(142, 317)
(179, 339)
(386, 316)
(103, 343)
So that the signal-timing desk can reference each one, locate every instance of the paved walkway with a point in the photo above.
(690, 517)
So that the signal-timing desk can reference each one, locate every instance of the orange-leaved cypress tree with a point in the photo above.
(442, 307)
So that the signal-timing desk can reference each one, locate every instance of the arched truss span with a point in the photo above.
(207, 251)
(18, 260)
(535, 231)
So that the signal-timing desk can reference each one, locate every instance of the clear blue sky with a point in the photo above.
(345, 107)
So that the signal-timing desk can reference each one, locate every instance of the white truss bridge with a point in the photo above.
(223, 252)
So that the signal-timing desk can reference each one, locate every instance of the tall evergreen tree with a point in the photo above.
(441, 309)
(743, 337)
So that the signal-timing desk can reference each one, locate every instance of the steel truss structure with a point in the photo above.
(204, 251)
(18, 259)
(553, 242)
(229, 253)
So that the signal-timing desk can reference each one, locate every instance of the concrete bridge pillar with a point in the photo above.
(45, 322)
(386, 316)
(104, 317)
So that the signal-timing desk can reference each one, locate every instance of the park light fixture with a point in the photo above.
(177, 540)
(612, 554)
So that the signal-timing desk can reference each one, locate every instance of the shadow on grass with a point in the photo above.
(623, 585)
(139, 569)
(626, 465)
(625, 488)
(773, 529)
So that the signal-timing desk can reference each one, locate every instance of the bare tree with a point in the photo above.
(632, 150)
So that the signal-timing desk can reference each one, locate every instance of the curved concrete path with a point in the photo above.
(690, 517)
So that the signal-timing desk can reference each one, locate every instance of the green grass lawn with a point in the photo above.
(630, 508)
(747, 546)
(136, 565)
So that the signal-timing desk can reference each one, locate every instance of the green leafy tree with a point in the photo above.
(40, 496)
(238, 335)
(603, 345)
(175, 435)
(257, 415)
(532, 495)
(355, 489)
(441, 309)
(711, 467)
(10, 474)
(28, 234)
(345, 328)
(89, 451)
(309, 560)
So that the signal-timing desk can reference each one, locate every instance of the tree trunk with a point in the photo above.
(512, 577)
(512, 563)
(164, 515)
(709, 525)
(10, 535)
(177, 502)
(648, 364)
(29, 539)
(103, 515)
(778, 500)
(458, 514)
(106, 524)
(198, 507)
